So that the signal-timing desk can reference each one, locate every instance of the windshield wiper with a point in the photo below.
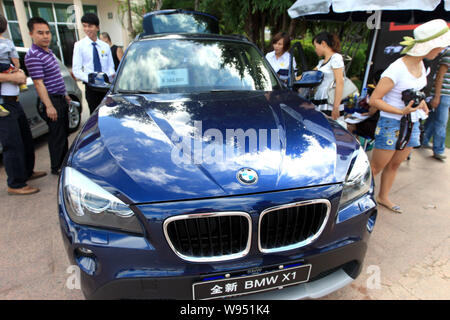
(137, 91)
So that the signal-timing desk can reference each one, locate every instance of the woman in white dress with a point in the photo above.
(279, 58)
(328, 46)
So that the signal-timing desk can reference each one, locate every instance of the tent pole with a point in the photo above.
(369, 61)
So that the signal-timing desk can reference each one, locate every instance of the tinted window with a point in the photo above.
(22, 62)
(180, 23)
(181, 65)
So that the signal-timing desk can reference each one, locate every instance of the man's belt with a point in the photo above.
(10, 98)
(56, 95)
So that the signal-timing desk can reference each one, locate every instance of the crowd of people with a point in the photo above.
(90, 55)
(396, 128)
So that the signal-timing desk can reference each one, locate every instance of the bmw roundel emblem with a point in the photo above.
(247, 176)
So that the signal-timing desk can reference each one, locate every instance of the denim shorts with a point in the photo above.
(387, 132)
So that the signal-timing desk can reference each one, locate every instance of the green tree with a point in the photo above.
(250, 16)
(135, 11)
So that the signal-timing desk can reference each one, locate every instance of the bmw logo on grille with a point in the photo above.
(247, 176)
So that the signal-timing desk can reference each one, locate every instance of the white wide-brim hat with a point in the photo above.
(428, 36)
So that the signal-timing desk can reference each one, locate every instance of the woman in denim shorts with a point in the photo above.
(387, 133)
(407, 72)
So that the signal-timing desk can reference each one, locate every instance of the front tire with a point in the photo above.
(74, 117)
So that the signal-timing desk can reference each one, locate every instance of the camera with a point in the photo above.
(415, 95)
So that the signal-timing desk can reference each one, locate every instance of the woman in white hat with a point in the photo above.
(407, 72)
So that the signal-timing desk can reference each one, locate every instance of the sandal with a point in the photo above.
(395, 208)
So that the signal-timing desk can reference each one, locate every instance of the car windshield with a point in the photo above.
(188, 66)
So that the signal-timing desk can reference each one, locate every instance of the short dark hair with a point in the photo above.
(286, 40)
(3, 24)
(90, 18)
(106, 35)
(36, 20)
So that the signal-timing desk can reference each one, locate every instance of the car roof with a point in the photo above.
(169, 11)
(208, 24)
(205, 36)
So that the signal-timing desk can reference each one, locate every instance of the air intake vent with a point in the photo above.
(292, 226)
(210, 236)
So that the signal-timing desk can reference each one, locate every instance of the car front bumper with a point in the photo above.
(124, 266)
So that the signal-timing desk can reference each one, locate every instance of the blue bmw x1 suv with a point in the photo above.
(202, 176)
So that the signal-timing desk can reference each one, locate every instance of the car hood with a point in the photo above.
(147, 148)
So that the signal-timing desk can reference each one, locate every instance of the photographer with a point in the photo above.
(397, 129)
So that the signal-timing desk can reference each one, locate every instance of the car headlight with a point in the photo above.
(89, 204)
(359, 179)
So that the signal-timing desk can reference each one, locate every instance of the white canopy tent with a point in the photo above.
(309, 7)
(313, 7)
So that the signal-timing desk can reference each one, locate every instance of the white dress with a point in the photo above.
(336, 61)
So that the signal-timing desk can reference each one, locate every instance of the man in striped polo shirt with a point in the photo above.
(46, 74)
(436, 125)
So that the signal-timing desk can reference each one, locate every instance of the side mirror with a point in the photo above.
(99, 81)
(309, 79)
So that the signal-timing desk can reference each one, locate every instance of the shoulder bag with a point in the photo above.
(349, 90)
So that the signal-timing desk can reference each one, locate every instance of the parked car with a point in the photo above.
(202, 176)
(29, 100)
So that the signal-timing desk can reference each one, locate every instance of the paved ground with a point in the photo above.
(411, 251)
(408, 256)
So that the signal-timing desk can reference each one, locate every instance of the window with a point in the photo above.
(92, 9)
(43, 10)
(64, 13)
(13, 24)
(61, 18)
(22, 63)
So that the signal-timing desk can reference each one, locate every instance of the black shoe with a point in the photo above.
(56, 172)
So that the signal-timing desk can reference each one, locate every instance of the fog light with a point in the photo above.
(86, 260)
(371, 222)
(84, 251)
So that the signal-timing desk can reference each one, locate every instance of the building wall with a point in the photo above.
(113, 25)
(109, 19)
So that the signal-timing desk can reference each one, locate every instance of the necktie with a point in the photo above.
(97, 64)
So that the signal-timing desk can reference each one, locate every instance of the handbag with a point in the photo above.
(349, 90)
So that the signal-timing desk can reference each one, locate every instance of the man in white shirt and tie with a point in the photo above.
(92, 55)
